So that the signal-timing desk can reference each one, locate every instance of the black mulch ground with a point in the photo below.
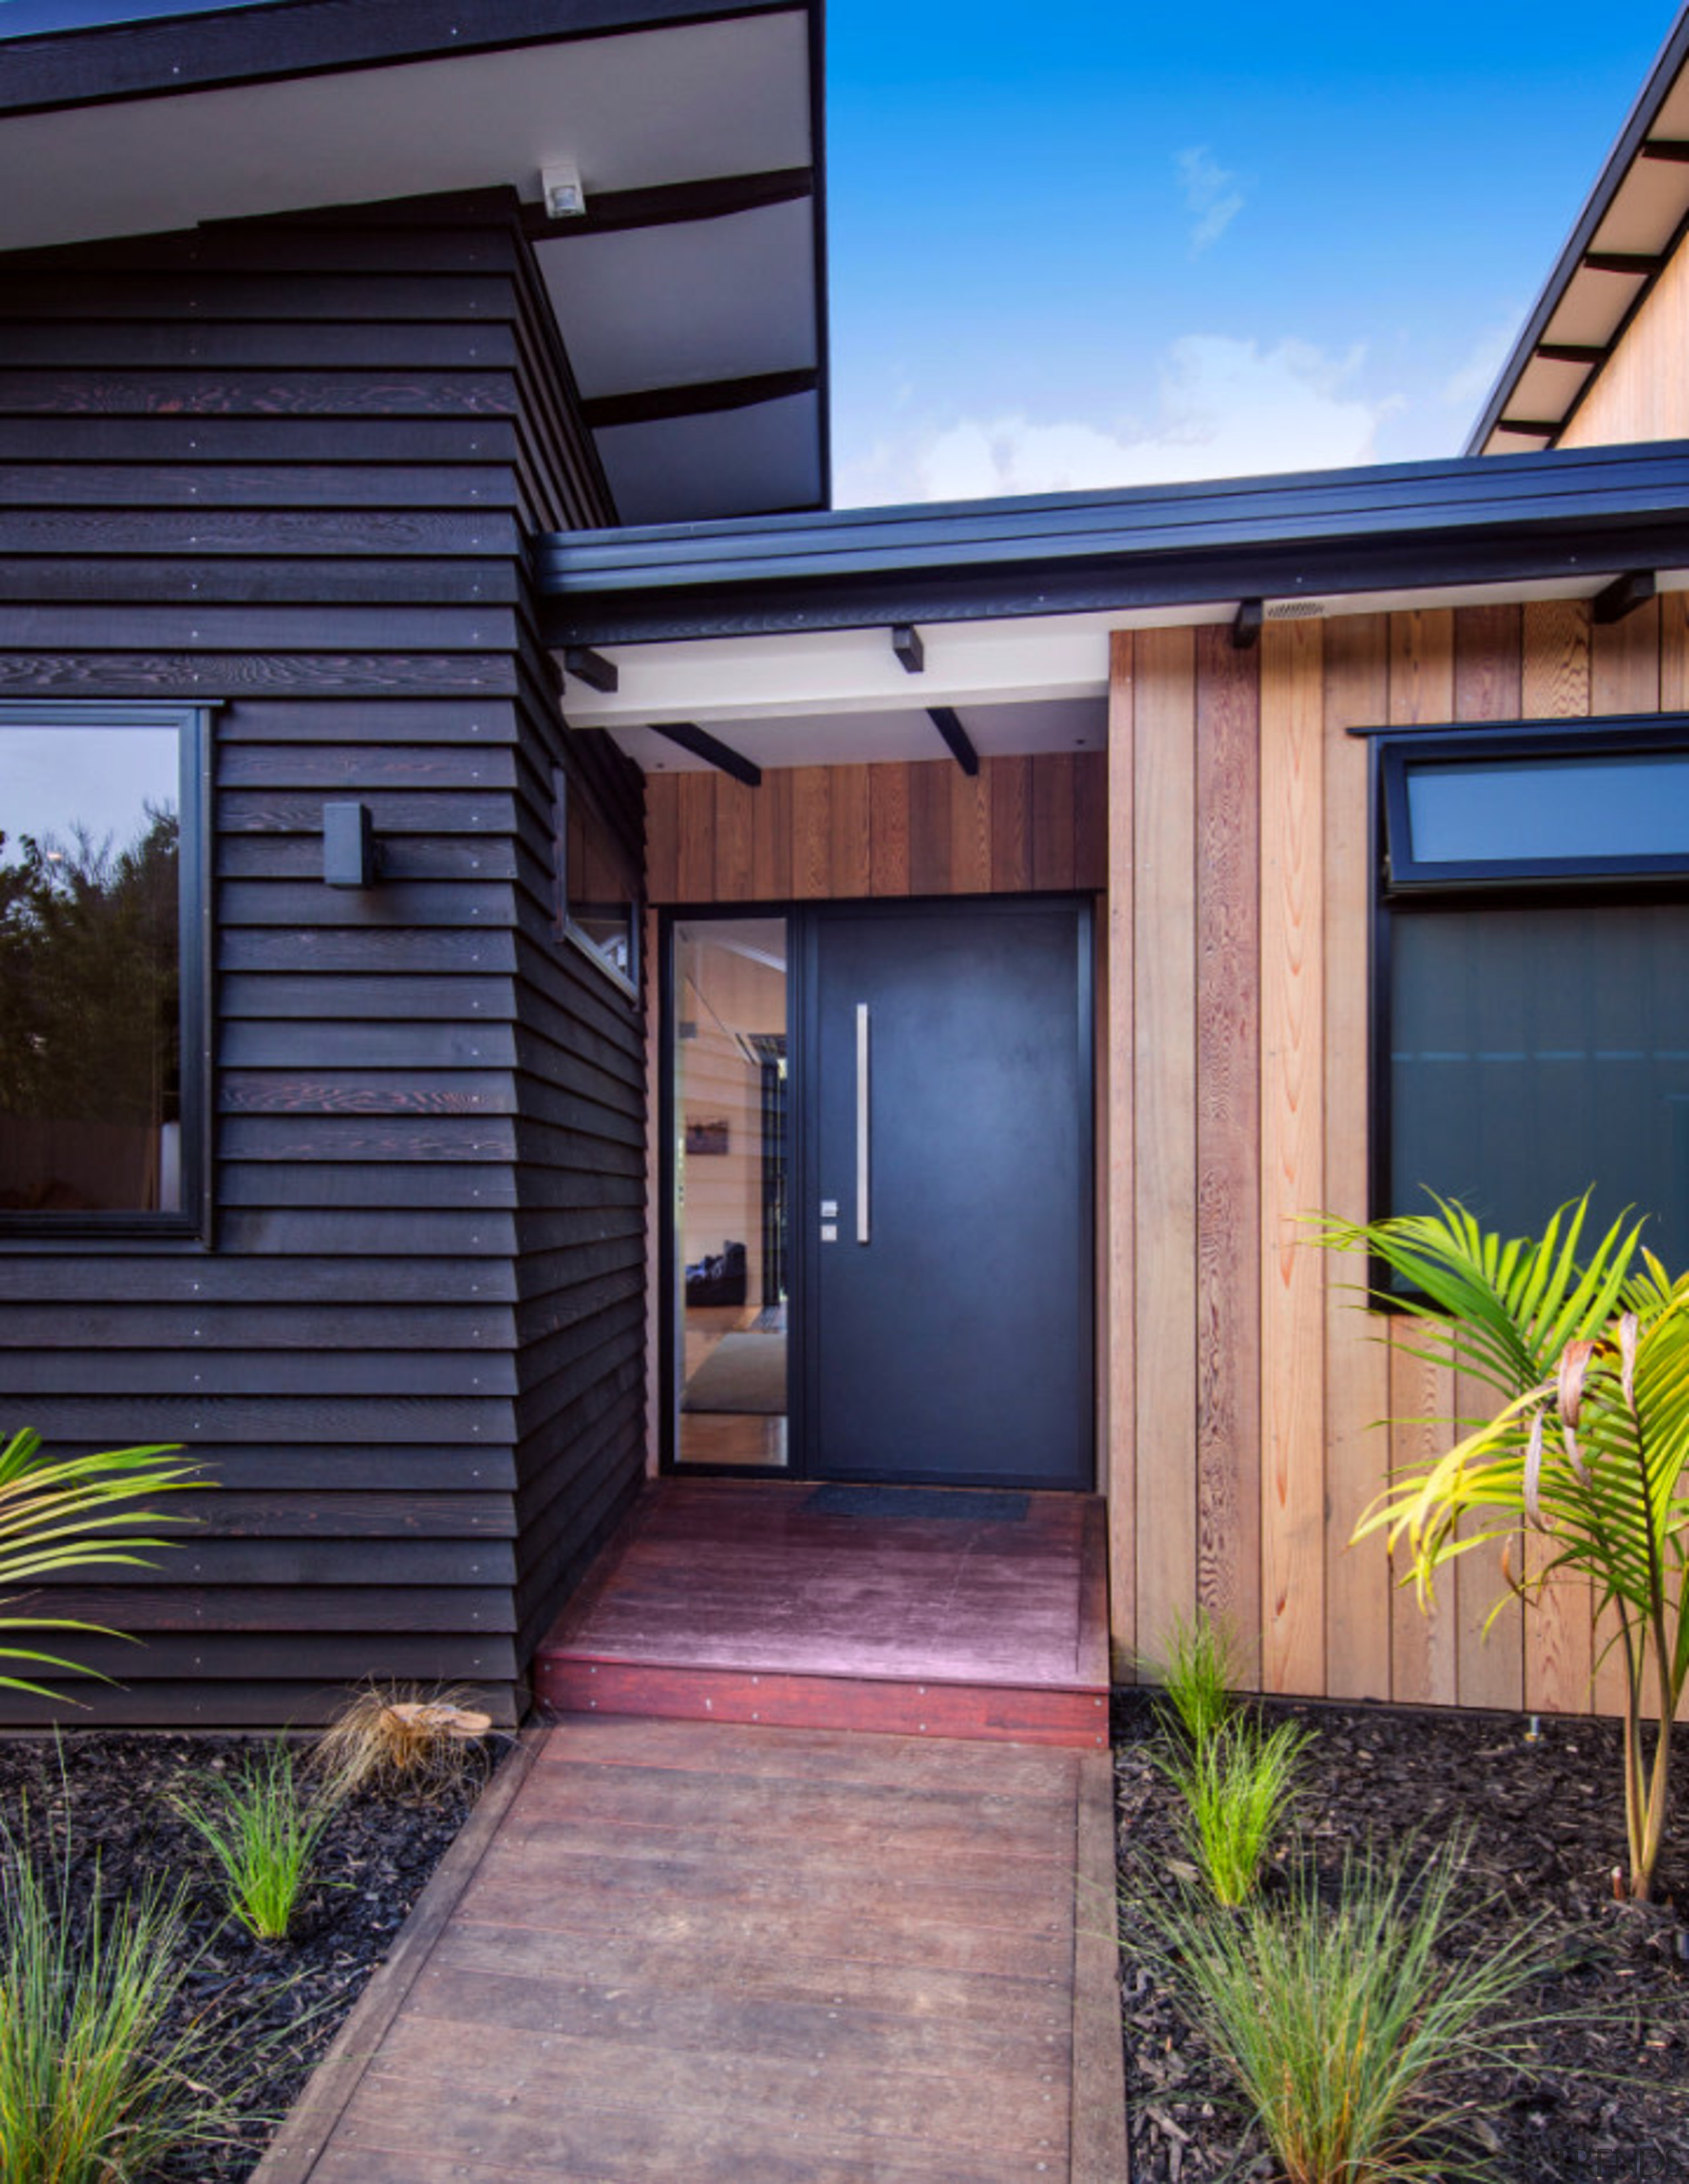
(1604, 2099)
(286, 2001)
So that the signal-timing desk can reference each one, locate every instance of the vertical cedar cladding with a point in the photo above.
(1245, 1388)
(294, 464)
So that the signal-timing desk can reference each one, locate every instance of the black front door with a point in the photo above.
(944, 1218)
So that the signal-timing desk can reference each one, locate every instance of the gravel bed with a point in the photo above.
(285, 2001)
(1604, 2097)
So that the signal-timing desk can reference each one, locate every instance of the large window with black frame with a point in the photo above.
(1531, 972)
(101, 905)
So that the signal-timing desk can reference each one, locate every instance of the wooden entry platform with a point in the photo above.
(912, 1611)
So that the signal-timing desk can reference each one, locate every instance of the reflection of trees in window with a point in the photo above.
(90, 1001)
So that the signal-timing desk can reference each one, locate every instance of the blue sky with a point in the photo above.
(1079, 244)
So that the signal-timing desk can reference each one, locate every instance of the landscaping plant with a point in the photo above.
(397, 1738)
(1589, 1447)
(1345, 2021)
(1199, 1671)
(263, 1831)
(73, 1513)
(102, 2074)
(1237, 1785)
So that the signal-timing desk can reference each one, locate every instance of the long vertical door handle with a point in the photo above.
(861, 1121)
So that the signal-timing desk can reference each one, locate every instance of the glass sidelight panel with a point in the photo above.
(732, 1104)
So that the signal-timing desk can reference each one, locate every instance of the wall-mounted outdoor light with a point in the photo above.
(351, 856)
(561, 186)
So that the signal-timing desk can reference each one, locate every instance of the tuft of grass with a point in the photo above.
(1237, 1785)
(1346, 2023)
(397, 1737)
(263, 1831)
(1199, 1671)
(102, 2074)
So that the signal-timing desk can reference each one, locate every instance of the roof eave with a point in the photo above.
(1668, 65)
(1471, 520)
(156, 55)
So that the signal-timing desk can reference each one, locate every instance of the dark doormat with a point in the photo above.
(971, 1507)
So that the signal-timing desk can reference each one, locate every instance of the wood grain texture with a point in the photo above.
(1488, 686)
(849, 863)
(820, 833)
(1559, 1628)
(1641, 393)
(735, 877)
(1227, 1088)
(1292, 1156)
(1011, 780)
(1424, 1641)
(1357, 1359)
(970, 870)
(1425, 1648)
(888, 829)
(933, 2008)
(1164, 1015)
(1120, 1295)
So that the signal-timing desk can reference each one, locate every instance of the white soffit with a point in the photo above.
(841, 739)
(705, 299)
(671, 104)
(720, 462)
(833, 673)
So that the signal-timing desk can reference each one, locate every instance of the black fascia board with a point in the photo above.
(1626, 150)
(1582, 513)
(160, 55)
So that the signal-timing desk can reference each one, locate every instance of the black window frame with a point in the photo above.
(1397, 752)
(1402, 887)
(194, 723)
(566, 788)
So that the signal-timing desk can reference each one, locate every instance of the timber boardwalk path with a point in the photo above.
(706, 1953)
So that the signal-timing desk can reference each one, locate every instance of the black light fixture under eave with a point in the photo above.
(351, 856)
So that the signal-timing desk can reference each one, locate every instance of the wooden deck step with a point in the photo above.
(974, 1616)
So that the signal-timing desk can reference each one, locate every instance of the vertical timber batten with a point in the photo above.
(1271, 943)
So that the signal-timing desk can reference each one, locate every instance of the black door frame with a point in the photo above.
(803, 921)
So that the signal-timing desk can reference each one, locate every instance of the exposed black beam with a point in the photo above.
(703, 399)
(1531, 426)
(905, 643)
(1571, 352)
(1667, 147)
(1246, 623)
(943, 719)
(670, 203)
(1645, 263)
(591, 667)
(702, 745)
(1623, 596)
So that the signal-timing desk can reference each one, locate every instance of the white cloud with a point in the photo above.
(1466, 388)
(1211, 193)
(1226, 408)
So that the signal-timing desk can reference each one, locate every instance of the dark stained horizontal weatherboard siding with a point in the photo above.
(295, 466)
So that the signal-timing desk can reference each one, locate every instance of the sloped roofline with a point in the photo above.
(1627, 150)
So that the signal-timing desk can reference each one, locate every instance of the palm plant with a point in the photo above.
(73, 1513)
(1590, 1447)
